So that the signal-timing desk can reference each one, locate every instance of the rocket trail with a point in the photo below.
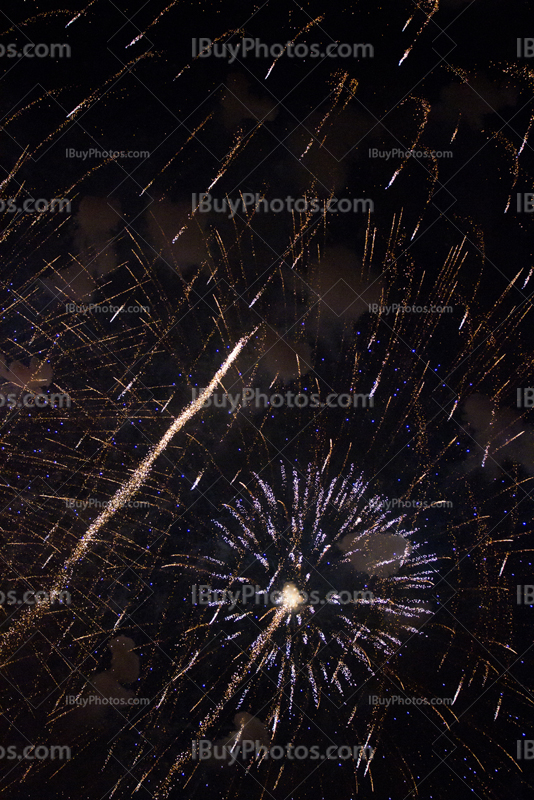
(123, 495)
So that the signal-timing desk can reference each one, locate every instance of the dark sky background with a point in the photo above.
(156, 105)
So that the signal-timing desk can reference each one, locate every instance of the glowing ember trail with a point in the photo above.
(124, 494)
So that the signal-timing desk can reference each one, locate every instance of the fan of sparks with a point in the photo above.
(293, 595)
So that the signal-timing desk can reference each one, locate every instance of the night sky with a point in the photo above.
(267, 326)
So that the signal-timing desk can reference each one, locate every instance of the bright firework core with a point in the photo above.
(290, 597)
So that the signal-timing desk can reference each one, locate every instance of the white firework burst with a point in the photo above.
(316, 589)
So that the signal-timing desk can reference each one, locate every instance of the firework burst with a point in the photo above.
(293, 544)
(293, 549)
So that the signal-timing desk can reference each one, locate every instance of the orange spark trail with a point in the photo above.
(123, 495)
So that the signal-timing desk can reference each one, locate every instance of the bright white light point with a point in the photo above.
(291, 597)
(117, 312)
